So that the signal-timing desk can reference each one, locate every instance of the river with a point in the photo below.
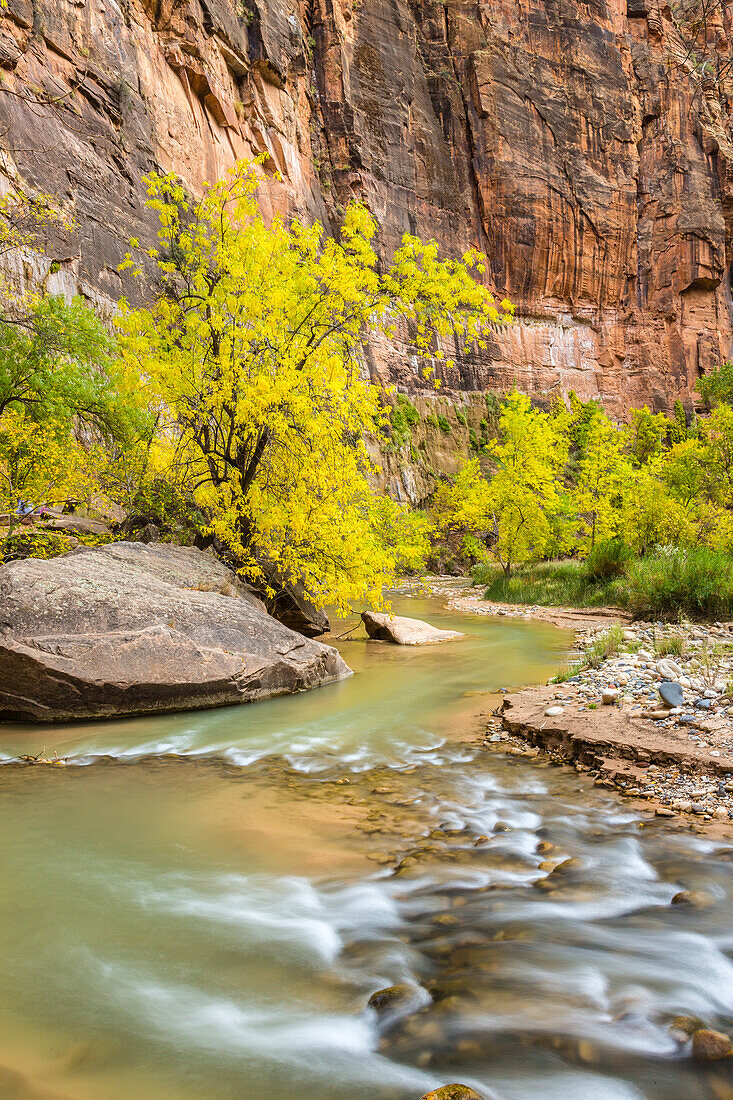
(200, 905)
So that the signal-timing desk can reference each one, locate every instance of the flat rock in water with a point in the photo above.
(135, 629)
(671, 693)
(403, 631)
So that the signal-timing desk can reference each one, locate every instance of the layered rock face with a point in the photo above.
(565, 138)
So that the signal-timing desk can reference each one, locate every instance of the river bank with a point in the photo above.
(608, 719)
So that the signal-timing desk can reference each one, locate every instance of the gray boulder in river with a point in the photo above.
(403, 631)
(130, 628)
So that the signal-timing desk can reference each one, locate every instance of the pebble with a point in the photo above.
(554, 712)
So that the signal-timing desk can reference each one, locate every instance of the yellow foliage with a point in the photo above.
(39, 465)
(603, 481)
(254, 349)
(520, 513)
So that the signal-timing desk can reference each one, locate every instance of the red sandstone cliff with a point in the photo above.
(561, 136)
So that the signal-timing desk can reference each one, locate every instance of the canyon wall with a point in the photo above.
(566, 138)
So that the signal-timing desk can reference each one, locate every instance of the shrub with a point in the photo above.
(608, 559)
(31, 542)
(696, 582)
(444, 424)
(461, 417)
(403, 418)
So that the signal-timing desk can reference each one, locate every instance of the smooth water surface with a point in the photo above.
(200, 905)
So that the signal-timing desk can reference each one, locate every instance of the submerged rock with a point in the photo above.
(391, 997)
(130, 628)
(404, 631)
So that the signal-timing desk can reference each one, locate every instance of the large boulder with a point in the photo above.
(404, 631)
(135, 629)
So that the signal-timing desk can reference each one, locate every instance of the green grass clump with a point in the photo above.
(550, 584)
(444, 424)
(606, 645)
(669, 583)
(670, 645)
(608, 560)
(568, 672)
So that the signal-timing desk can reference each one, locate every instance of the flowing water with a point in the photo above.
(199, 906)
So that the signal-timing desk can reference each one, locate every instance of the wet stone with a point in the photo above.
(453, 1092)
(711, 1046)
(391, 997)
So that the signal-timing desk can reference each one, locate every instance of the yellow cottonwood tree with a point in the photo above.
(603, 480)
(254, 346)
(521, 512)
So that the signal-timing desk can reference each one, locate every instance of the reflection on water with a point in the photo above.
(212, 923)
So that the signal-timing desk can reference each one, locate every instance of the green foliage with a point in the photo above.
(608, 560)
(32, 542)
(403, 417)
(461, 417)
(59, 367)
(493, 410)
(697, 582)
(717, 386)
(444, 423)
(678, 427)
